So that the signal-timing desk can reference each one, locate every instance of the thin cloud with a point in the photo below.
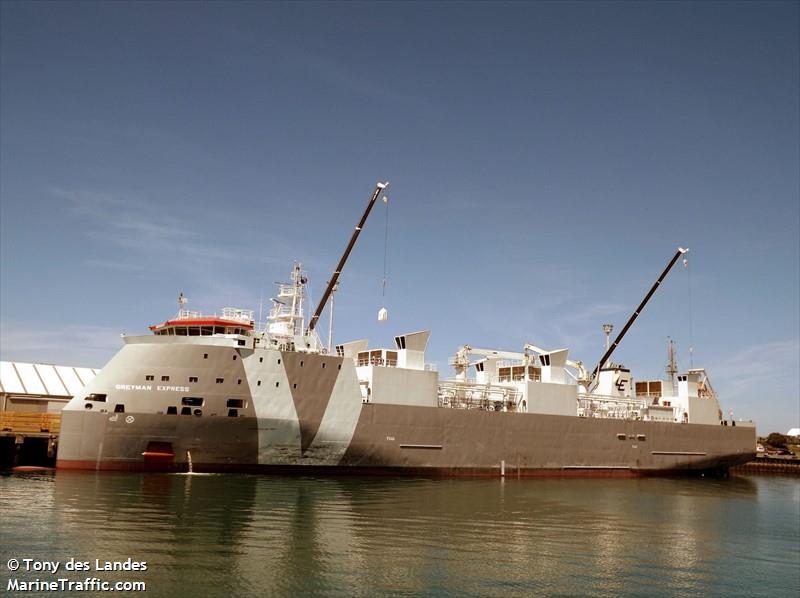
(147, 230)
(84, 345)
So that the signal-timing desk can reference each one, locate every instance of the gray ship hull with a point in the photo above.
(261, 409)
(397, 439)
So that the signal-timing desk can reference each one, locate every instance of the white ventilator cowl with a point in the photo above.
(383, 314)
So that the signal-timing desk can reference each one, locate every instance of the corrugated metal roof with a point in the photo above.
(43, 379)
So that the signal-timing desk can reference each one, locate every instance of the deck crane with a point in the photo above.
(379, 187)
(461, 360)
(633, 317)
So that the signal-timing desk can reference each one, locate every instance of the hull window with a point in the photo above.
(172, 410)
(165, 378)
(96, 396)
(119, 408)
(220, 380)
(186, 410)
(192, 378)
(235, 403)
(233, 413)
(192, 401)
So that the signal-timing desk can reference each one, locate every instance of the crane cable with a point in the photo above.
(689, 286)
(385, 248)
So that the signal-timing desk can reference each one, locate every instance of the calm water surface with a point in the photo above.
(259, 535)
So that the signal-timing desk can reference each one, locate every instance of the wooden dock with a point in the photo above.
(29, 438)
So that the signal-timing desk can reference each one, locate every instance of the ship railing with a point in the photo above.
(457, 394)
(607, 406)
(188, 314)
(239, 315)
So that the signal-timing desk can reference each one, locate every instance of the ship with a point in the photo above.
(226, 393)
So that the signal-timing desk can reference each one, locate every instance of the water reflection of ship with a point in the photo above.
(278, 534)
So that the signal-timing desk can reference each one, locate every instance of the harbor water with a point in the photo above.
(238, 535)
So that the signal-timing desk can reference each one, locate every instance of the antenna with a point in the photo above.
(608, 329)
(672, 367)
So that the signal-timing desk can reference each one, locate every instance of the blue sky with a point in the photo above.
(545, 161)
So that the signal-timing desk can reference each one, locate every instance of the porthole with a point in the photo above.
(277, 384)
(323, 365)
(260, 360)
(259, 383)
(279, 360)
(234, 357)
(205, 355)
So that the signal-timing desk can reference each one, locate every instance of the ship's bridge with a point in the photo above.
(192, 323)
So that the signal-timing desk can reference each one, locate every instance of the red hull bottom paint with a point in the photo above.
(428, 472)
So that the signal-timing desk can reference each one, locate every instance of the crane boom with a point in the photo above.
(635, 315)
(379, 187)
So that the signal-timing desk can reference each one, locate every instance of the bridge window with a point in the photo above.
(194, 331)
(219, 330)
(181, 331)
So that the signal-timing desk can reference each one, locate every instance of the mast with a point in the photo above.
(379, 187)
(671, 368)
(635, 315)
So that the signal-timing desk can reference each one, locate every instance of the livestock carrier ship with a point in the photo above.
(224, 393)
